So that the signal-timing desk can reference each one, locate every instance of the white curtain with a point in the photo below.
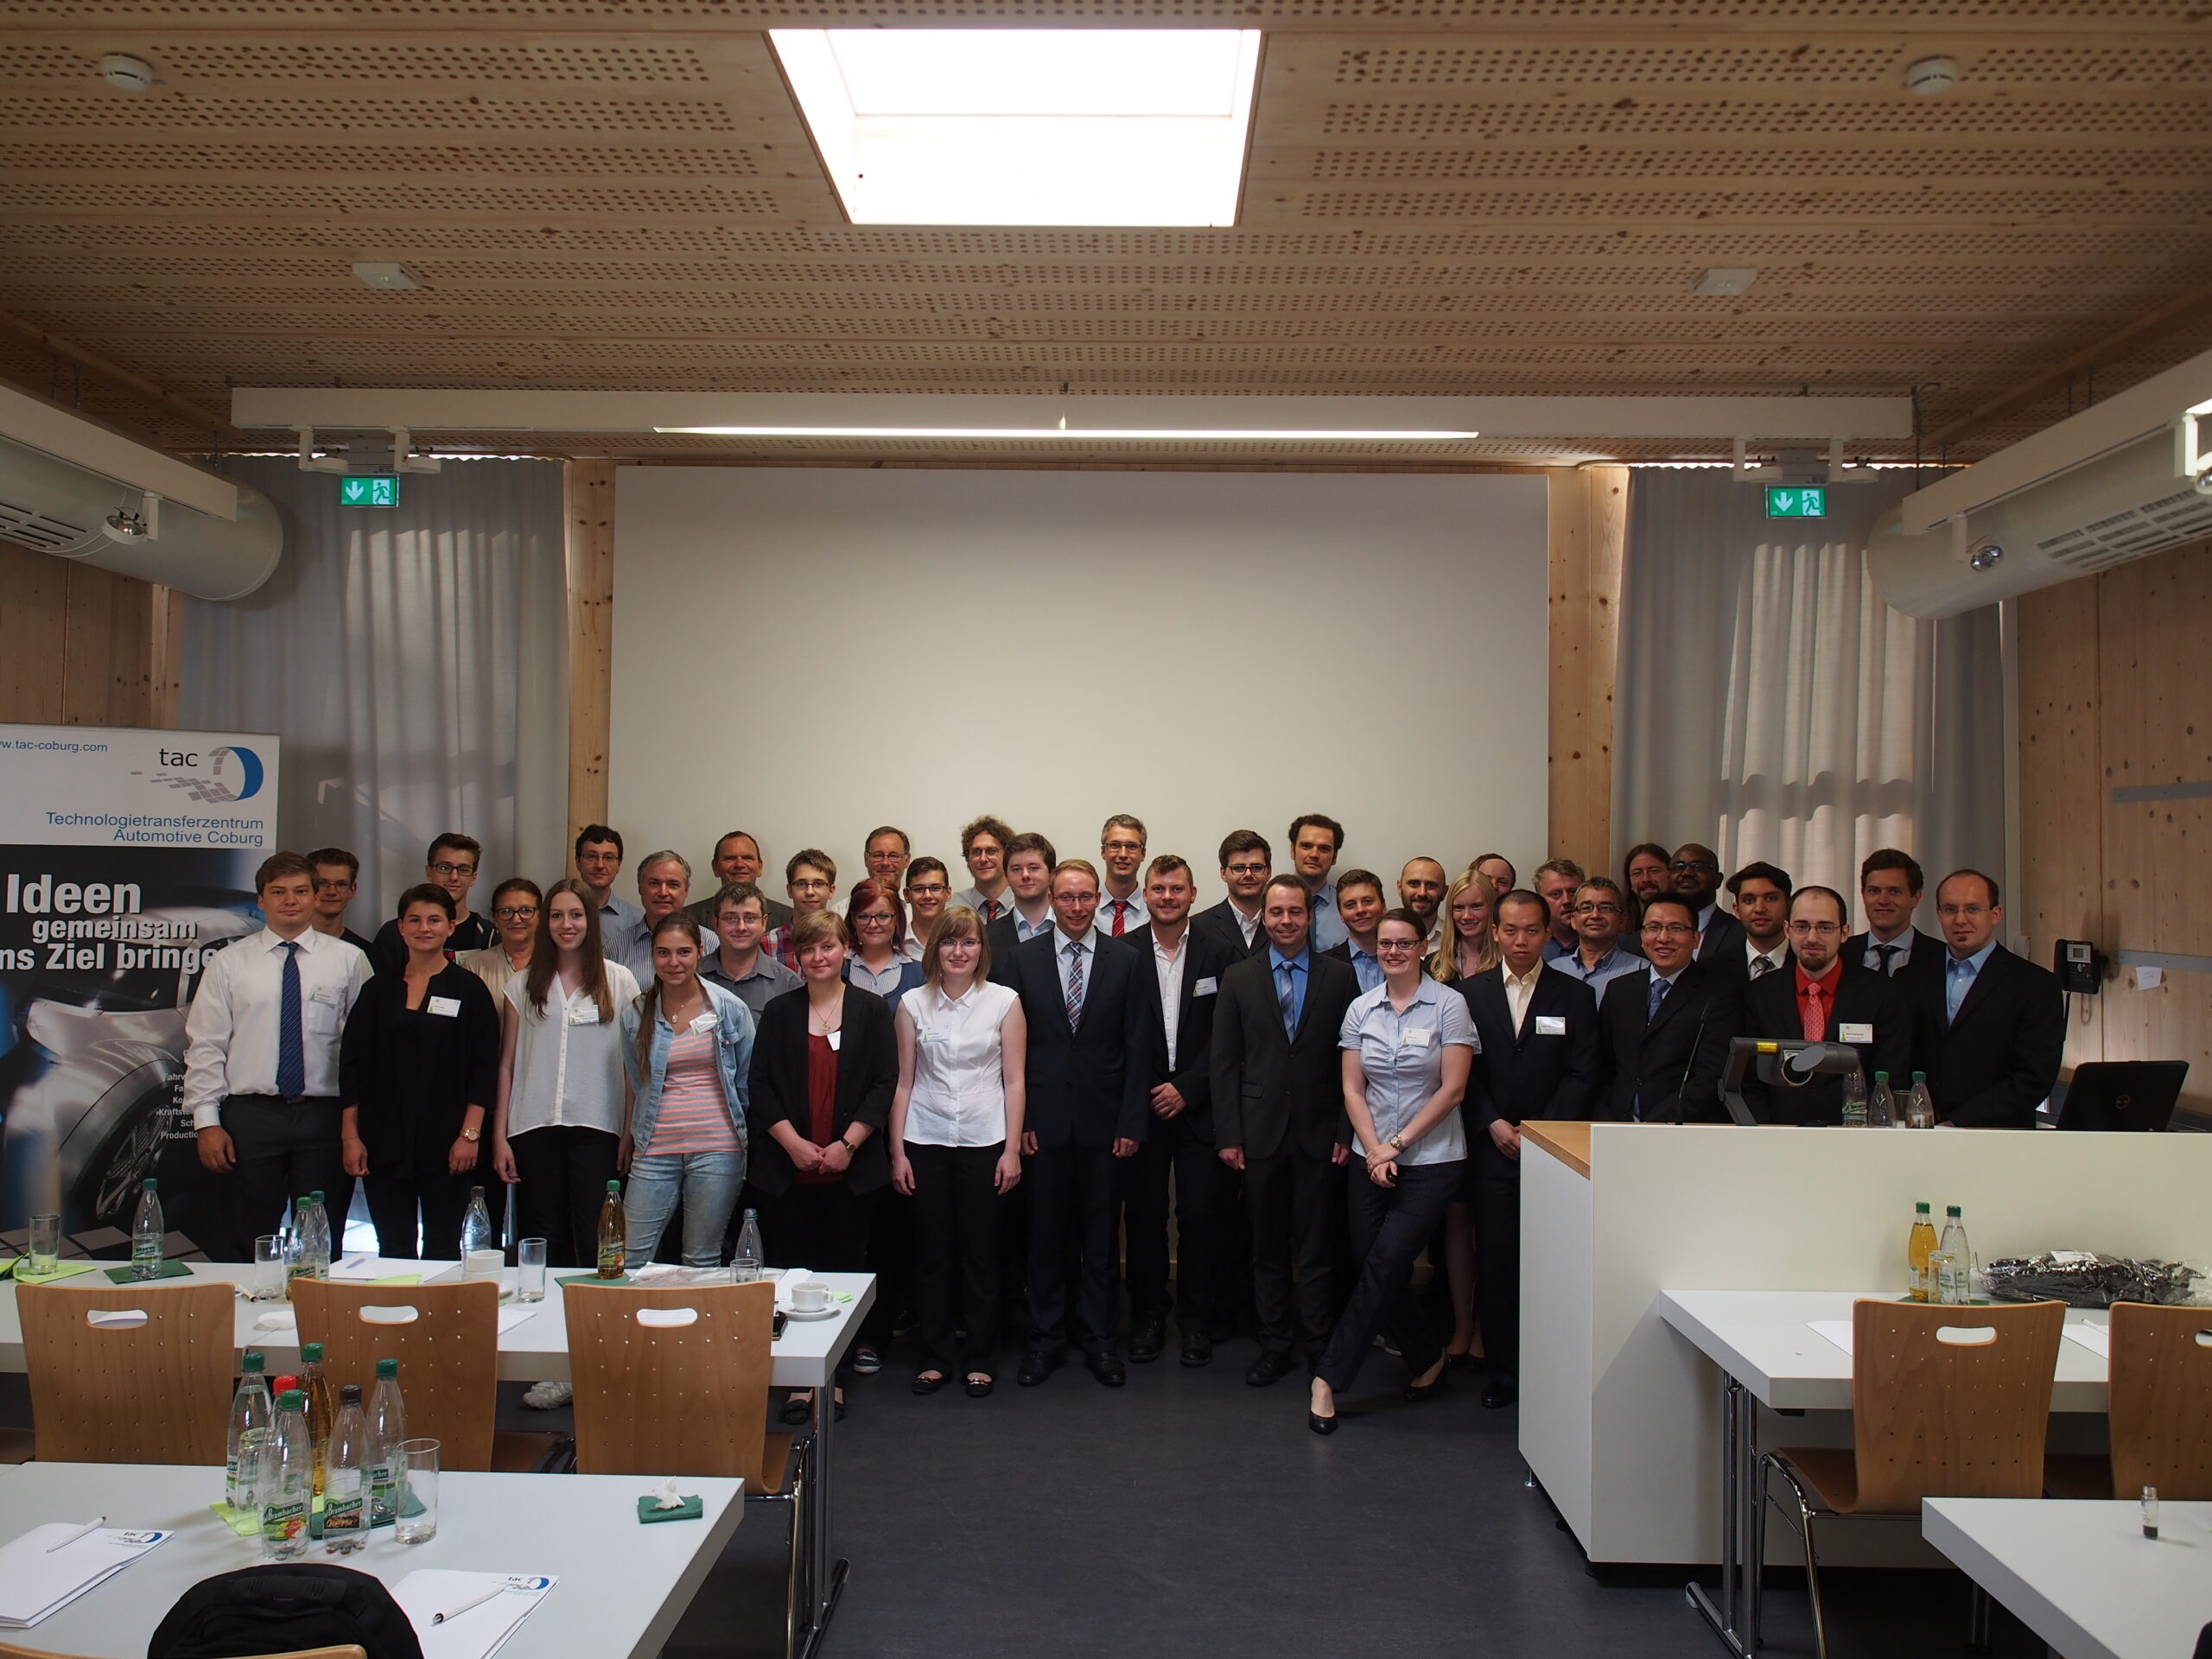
(414, 661)
(1770, 704)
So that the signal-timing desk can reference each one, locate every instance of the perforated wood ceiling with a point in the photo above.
(1503, 196)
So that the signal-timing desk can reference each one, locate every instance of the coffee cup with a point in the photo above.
(811, 1297)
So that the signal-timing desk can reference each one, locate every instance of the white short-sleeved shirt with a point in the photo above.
(1402, 1055)
(959, 1093)
(567, 1060)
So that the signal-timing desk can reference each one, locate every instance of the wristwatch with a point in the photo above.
(849, 1147)
(1397, 1142)
(472, 1135)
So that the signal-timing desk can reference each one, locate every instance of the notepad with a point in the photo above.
(1836, 1330)
(2097, 1339)
(481, 1631)
(35, 1584)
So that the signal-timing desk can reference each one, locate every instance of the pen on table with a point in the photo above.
(473, 1601)
(91, 1526)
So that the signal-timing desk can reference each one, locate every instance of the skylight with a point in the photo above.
(1028, 126)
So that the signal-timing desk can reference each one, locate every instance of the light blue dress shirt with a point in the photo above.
(1329, 929)
(1368, 967)
(1611, 966)
(1959, 975)
(1402, 1056)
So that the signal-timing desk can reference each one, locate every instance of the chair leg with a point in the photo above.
(1977, 1618)
(1757, 1566)
(1769, 1464)
(1813, 1590)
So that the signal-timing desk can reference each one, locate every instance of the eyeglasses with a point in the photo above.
(1121, 847)
(875, 918)
(1692, 864)
(453, 869)
(1386, 947)
(1677, 930)
(334, 887)
(810, 886)
(1824, 930)
(1246, 869)
(925, 888)
(513, 912)
(1597, 909)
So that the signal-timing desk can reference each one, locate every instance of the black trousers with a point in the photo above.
(1071, 1186)
(284, 1152)
(824, 1227)
(891, 1259)
(562, 1171)
(1497, 1247)
(1388, 1227)
(443, 1199)
(1287, 1199)
(1173, 1149)
(956, 1256)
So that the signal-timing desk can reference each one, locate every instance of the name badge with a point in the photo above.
(584, 1013)
(323, 995)
(447, 1005)
(1421, 1037)
(1205, 988)
(1551, 1025)
(1851, 1033)
(837, 1041)
(702, 1022)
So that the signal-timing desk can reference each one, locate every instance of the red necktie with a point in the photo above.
(1121, 916)
(990, 911)
(1815, 1015)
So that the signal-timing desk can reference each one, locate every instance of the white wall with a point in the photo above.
(1208, 651)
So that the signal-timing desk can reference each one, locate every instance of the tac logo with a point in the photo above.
(231, 772)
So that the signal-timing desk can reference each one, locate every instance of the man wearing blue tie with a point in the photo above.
(261, 1062)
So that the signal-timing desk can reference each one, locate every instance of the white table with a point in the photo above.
(2083, 1576)
(1768, 1355)
(623, 1586)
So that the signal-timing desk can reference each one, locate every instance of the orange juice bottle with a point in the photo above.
(1920, 1244)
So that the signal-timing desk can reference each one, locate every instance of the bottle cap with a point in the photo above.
(252, 1361)
(283, 1385)
(1921, 1206)
(1950, 1209)
(1920, 1077)
(387, 1368)
(149, 1184)
(614, 1187)
(349, 1395)
(311, 1353)
(315, 1196)
(1881, 1077)
(290, 1400)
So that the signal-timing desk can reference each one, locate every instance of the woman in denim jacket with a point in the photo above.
(687, 1046)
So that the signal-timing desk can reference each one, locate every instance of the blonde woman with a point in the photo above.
(1464, 945)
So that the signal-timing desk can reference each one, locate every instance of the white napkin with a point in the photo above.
(511, 1317)
(665, 1496)
(277, 1319)
(2097, 1339)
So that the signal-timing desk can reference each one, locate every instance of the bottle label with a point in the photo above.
(285, 1520)
(342, 1514)
(381, 1494)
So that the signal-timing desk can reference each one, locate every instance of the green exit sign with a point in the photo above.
(1809, 502)
(382, 490)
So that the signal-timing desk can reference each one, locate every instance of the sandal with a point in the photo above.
(929, 1382)
(797, 1411)
(979, 1388)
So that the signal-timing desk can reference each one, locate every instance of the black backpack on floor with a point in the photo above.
(284, 1609)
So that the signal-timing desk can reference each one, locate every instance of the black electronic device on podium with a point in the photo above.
(1782, 1063)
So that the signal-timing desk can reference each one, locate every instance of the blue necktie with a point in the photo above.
(1651, 1003)
(291, 1038)
(1287, 996)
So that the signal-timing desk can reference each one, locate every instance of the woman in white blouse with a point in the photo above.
(955, 1143)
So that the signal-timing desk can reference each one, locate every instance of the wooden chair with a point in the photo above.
(2161, 1410)
(154, 1391)
(1945, 1402)
(657, 1396)
(449, 1355)
(350, 1650)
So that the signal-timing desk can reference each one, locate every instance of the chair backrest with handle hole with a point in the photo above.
(657, 1393)
(347, 1651)
(1950, 1401)
(155, 1388)
(446, 1339)
(2161, 1401)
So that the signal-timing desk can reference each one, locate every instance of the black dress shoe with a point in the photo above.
(929, 1382)
(1272, 1366)
(1497, 1393)
(1319, 1424)
(1108, 1369)
(1198, 1348)
(1036, 1368)
(1148, 1339)
(1466, 1361)
(1417, 1392)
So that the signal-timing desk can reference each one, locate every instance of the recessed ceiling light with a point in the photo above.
(1931, 77)
(385, 273)
(1028, 126)
(125, 72)
(1725, 279)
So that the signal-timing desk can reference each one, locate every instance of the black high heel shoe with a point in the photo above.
(1417, 1392)
(1319, 1424)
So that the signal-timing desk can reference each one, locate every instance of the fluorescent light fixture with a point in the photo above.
(1119, 435)
(1028, 126)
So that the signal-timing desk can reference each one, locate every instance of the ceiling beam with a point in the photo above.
(115, 373)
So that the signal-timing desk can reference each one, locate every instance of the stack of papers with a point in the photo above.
(511, 1317)
(481, 1609)
(37, 1578)
(2097, 1339)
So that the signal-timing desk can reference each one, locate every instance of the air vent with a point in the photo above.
(34, 529)
(2181, 516)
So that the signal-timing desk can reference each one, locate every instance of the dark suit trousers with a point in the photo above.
(283, 1154)
(1287, 1198)
(1497, 1254)
(1389, 1225)
(562, 1171)
(956, 1211)
(1071, 1187)
(442, 1199)
(1172, 1149)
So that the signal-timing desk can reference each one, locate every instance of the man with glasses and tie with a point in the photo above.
(261, 1062)
(451, 863)
(1664, 1029)
(983, 844)
(1279, 1117)
(1823, 998)
(1121, 902)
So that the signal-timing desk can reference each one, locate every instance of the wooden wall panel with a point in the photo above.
(77, 645)
(33, 612)
(1587, 526)
(589, 486)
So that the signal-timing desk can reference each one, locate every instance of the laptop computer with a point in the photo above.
(2109, 1094)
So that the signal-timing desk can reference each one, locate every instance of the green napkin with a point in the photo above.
(589, 1279)
(399, 1278)
(691, 1509)
(22, 1268)
(245, 1522)
(126, 1274)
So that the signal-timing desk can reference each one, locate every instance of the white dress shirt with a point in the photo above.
(567, 1060)
(1753, 955)
(958, 1098)
(1900, 950)
(230, 1034)
(1135, 916)
(1167, 962)
(1518, 991)
(973, 897)
(1249, 924)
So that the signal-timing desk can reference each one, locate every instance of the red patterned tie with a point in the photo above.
(990, 911)
(1815, 1014)
(1121, 916)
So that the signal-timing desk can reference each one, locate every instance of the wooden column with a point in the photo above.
(164, 658)
(1588, 526)
(2063, 789)
(589, 491)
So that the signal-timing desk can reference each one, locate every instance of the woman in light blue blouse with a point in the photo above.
(1408, 1050)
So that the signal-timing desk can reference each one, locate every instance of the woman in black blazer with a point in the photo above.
(825, 1065)
(417, 1068)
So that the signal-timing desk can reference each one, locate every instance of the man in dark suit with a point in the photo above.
(1360, 906)
(1234, 924)
(1184, 986)
(1664, 1032)
(737, 858)
(1082, 995)
(1760, 895)
(1822, 998)
(1030, 862)
(1538, 1059)
(1890, 884)
(1696, 875)
(1995, 1024)
(1278, 1116)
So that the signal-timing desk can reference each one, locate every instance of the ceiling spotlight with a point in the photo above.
(385, 273)
(1931, 77)
(129, 525)
(1719, 281)
(125, 72)
(1985, 557)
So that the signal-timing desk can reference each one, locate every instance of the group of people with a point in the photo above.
(994, 1098)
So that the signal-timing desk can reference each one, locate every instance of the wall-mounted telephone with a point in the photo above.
(2080, 966)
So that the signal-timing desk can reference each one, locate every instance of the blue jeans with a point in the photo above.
(708, 1183)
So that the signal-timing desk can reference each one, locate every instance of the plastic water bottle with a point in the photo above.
(476, 1232)
(250, 1410)
(319, 1238)
(286, 1481)
(1882, 1105)
(1854, 1101)
(745, 1265)
(345, 1504)
(387, 1418)
(147, 1231)
(1955, 1288)
(321, 1408)
(1919, 1106)
(614, 1232)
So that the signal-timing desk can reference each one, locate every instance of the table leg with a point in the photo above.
(825, 1578)
(1738, 1477)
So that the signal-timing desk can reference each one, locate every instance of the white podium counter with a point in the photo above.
(1621, 1417)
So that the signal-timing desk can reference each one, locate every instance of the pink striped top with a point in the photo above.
(692, 1116)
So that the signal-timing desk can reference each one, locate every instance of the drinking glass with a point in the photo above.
(529, 1270)
(45, 1245)
(415, 1520)
(266, 1283)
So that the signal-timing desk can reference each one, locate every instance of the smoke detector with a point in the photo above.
(1724, 280)
(125, 72)
(1931, 77)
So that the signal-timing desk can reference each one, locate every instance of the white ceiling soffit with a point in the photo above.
(431, 410)
(55, 432)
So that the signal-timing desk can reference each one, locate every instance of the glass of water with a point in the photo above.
(529, 1270)
(415, 1517)
(267, 1282)
(44, 1246)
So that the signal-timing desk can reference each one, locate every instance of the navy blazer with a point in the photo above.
(1275, 1091)
(1991, 1067)
(1524, 1074)
(1203, 959)
(1862, 998)
(1667, 1070)
(1086, 1086)
(1219, 923)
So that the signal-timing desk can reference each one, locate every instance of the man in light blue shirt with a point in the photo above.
(1959, 975)
(1558, 879)
(1360, 905)
(1597, 958)
(1315, 842)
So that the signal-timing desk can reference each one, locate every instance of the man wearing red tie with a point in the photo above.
(1823, 998)
(1121, 849)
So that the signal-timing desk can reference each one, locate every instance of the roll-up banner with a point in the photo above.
(126, 860)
